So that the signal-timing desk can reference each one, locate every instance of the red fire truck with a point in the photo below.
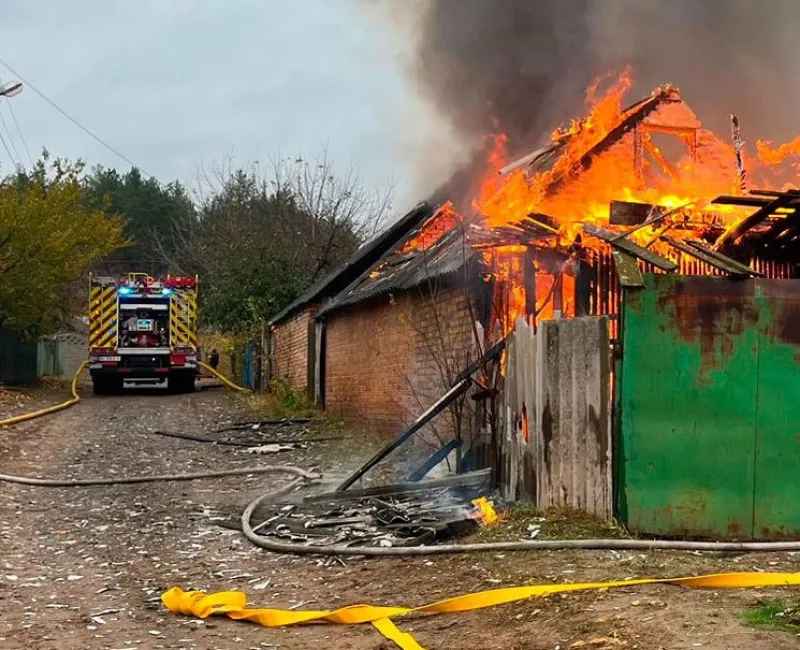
(142, 329)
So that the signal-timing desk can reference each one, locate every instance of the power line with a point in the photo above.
(18, 158)
(96, 138)
(8, 151)
(19, 130)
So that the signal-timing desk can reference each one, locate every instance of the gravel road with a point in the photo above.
(83, 568)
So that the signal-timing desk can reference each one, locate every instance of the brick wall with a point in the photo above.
(290, 348)
(367, 360)
(389, 359)
(444, 346)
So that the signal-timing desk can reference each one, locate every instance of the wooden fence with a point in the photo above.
(555, 434)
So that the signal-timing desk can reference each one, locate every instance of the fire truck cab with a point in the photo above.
(142, 329)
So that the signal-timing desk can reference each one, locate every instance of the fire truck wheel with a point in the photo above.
(108, 385)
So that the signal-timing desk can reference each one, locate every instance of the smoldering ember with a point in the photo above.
(560, 394)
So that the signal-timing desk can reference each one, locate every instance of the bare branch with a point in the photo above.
(296, 218)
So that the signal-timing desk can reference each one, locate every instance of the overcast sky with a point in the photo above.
(172, 84)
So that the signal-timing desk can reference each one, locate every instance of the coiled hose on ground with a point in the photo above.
(519, 545)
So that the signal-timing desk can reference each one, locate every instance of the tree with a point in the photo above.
(258, 241)
(150, 210)
(49, 236)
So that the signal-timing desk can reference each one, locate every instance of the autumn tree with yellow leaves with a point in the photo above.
(49, 237)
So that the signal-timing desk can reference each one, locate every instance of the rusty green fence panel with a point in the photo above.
(688, 388)
(708, 436)
(777, 467)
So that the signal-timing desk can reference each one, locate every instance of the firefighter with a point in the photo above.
(213, 359)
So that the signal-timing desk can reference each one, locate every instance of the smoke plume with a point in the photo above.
(521, 67)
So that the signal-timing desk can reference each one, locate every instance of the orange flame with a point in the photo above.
(581, 184)
(484, 511)
(445, 219)
(654, 152)
(508, 267)
(526, 432)
(436, 227)
(771, 155)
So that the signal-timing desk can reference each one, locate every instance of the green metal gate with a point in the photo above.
(708, 399)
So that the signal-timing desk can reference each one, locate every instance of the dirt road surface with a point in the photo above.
(83, 568)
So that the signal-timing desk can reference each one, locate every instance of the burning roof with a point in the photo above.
(646, 179)
(434, 249)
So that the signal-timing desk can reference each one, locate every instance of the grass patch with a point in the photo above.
(281, 401)
(527, 522)
(780, 615)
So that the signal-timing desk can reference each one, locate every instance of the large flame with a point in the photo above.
(654, 152)
(576, 189)
(603, 158)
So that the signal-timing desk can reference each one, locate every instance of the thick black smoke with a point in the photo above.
(522, 66)
(507, 65)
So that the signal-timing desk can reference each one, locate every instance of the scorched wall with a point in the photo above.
(290, 345)
(390, 358)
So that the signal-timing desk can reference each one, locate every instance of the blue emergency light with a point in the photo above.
(166, 291)
(125, 291)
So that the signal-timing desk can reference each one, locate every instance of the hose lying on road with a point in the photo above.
(520, 545)
(222, 378)
(339, 549)
(72, 401)
(50, 409)
(128, 480)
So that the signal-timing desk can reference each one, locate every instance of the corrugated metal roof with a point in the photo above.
(405, 271)
(365, 257)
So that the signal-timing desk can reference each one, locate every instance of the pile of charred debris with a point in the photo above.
(414, 513)
(404, 514)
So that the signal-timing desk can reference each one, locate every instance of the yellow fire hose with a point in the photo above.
(50, 409)
(72, 401)
(222, 378)
(233, 604)
(129, 480)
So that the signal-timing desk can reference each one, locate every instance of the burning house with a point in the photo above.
(553, 234)
(636, 224)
